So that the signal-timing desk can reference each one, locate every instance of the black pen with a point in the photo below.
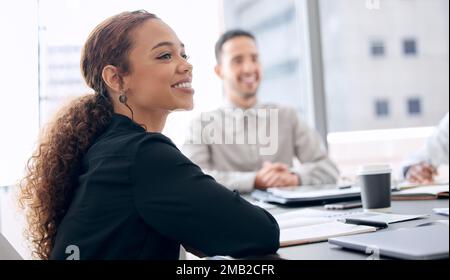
(365, 223)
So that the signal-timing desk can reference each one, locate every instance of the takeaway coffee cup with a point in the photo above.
(375, 184)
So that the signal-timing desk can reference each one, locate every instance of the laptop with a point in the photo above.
(419, 243)
(7, 251)
(308, 195)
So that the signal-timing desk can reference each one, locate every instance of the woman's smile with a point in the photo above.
(184, 86)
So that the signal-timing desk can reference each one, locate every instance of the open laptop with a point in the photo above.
(7, 251)
(418, 243)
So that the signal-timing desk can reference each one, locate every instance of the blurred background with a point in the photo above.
(370, 75)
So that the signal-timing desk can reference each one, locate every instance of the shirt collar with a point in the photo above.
(228, 106)
(122, 121)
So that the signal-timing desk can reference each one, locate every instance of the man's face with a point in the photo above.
(240, 70)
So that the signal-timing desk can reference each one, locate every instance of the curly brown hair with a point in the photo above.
(52, 172)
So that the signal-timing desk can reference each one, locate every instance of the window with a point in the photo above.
(414, 106)
(353, 81)
(377, 48)
(409, 47)
(382, 108)
(362, 125)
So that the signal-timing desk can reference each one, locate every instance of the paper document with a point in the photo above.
(312, 191)
(300, 222)
(409, 185)
(314, 213)
(441, 211)
(319, 232)
(431, 190)
(320, 216)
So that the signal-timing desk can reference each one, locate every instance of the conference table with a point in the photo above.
(325, 251)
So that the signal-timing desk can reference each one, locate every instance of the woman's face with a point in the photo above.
(160, 77)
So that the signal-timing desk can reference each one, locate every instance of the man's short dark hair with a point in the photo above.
(230, 34)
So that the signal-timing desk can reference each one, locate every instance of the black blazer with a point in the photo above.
(139, 198)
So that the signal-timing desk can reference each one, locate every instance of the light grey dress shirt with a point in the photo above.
(215, 143)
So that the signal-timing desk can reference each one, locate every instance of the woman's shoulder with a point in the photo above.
(130, 144)
(157, 152)
(155, 143)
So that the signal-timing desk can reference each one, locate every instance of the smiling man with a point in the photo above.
(245, 165)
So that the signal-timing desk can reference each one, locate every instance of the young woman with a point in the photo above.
(105, 181)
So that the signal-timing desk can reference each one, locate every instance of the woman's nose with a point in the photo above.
(186, 67)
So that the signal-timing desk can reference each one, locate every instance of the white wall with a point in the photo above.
(18, 106)
(19, 86)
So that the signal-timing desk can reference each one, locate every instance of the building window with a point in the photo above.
(414, 106)
(377, 48)
(382, 108)
(410, 47)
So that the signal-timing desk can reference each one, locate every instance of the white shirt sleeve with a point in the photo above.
(437, 144)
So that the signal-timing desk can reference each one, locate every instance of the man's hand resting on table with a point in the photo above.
(275, 175)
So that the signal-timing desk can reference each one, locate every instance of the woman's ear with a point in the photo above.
(110, 75)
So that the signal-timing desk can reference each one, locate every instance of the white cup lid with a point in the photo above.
(374, 169)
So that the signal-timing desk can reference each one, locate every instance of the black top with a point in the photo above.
(140, 198)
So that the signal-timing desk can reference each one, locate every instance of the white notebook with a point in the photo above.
(305, 226)
(423, 192)
(319, 232)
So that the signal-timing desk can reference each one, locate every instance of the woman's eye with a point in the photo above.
(165, 56)
(185, 56)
